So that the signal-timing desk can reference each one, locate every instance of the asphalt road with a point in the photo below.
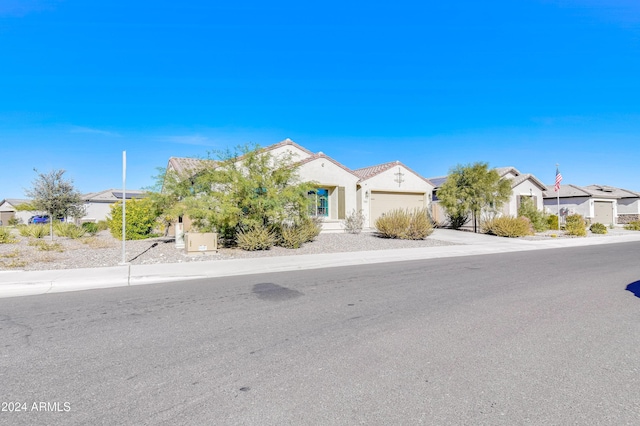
(543, 337)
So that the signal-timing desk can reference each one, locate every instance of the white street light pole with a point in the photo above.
(124, 205)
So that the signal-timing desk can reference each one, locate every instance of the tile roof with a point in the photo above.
(287, 142)
(188, 166)
(365, 173)
(371, 171)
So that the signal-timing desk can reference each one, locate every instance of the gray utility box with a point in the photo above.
(205, 242)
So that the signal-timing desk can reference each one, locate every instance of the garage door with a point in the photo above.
(383, 202)
(603, 212)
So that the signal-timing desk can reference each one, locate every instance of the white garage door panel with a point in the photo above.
(383, 202)
(603, 212)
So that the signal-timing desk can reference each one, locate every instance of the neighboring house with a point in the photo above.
(341, 191)
(522, 186)
(597, 203)
(8, 210)
(97, 205)
(628, 206)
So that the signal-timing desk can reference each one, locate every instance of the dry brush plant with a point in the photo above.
(508, 226)
(405, 224)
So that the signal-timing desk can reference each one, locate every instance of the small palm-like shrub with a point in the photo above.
(576, 226)
(633, 226)
(508, 226)
(35, 231)
(354, 222)
(6, 237)
(405, 224)
(69, 230)
(598, 228)
(293, 235)
(311, 228)
(256, 238)
(90, 228)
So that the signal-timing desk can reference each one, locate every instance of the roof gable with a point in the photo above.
(366, 173)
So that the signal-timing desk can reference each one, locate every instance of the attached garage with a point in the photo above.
(603, 212)
(383, 202)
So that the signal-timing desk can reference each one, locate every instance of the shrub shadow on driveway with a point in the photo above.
(634, 288)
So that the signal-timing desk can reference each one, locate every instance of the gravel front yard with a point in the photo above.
(104, 250)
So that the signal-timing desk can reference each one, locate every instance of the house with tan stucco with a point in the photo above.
(523, 185)
(342, 191)
(597, 203)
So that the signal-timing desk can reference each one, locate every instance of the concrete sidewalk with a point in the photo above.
(22, 283)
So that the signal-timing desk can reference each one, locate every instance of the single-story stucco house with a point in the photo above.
(97, 205)
(523, 185)
(597, 203)
(8, 211)
(341, 191)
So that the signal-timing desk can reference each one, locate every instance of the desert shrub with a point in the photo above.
(311, 227)
(405, 224)
(90, 228)
(598, 228)
(539, 219)
(256, 238)
(140, 217)
(354, 222)
(5, 236)
(633, 226)
(576, 226)
(45, 246)
(14, 221)
(69, 230)
(12, 260)
(552, 222)
(509, 226)
(35, 231)
(457, 219)
(103, 225)
(293, 234)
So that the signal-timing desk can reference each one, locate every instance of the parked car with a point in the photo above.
(39, 219)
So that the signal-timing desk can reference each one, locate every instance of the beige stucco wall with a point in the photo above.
(296, 154)
(629, 206)
(331, 176)
(387, 181)
(526, 188)
(96, 211)
(577, 205)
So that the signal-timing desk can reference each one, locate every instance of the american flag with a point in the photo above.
(556, 188)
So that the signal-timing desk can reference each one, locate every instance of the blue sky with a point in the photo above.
(527, 83)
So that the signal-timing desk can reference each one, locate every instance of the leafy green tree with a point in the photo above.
(140, 219)
(472, 188)
(55, 195)
(168, 193)
(245, 189)
(539, 220)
